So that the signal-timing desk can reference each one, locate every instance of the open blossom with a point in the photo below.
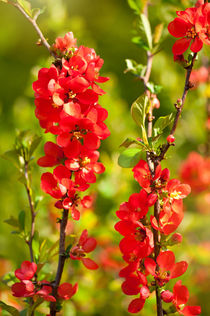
(179, 298)
(192, 27)
(67, 290)
(168, 269)
(85, 245)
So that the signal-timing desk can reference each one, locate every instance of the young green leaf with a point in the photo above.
(12, 221)
(135, 5)
(140, 42)
(10, 309)
(138, 110)
(145, 30)
(129, 157)
(21, 220)
(162, 122)
(35, 245)
(130, 141)
(26, 6)
(12, 156)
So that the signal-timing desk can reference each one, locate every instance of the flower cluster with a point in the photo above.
(30, 287)
(66, 100)
(192, 27)
(145, 269)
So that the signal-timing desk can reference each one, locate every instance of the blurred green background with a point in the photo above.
(106, 25)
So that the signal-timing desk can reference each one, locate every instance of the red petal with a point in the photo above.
(179, 269)
(166, 260)
(89, 245)
(178, 27)
(136, 305)
(197, 45)
(150, 266)
(89, 263)
(191, 310)
(180, 46)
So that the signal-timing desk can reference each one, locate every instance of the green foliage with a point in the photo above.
(154, 88)
(10, 309)
(135, 68)
(35, 246)
(26, 6)
(129, 157)
(131, 141)
(139, 109)
(162, 122)
(135, 5)
(145, 31)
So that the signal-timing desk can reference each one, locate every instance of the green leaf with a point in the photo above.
(154, 88)
(21, 219)
(129, 157)
(138, 110)
(135, 68)
(140, 42)
(162, 122)
(35, 245)
(130, 141)
(145, 30)
(26, 6)
(12, 156)
(10, 309)
(12, 221)
(135, 5)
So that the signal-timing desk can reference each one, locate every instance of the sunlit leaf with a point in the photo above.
(129, 157)
(26, 6)
(162, 122)
(145, 30)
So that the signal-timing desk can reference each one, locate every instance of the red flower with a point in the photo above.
(64, 44)
(179, 297)
(27, 270)
(192, 26)
(53, 155)
(67, 290)
(137, 304)
(167, 268)
(45, 291)
(85, 245)
(85, 166)
(23, 289)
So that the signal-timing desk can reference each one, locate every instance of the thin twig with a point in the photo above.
(33, 214)
(61, 261)
(152, 167)
(179, 108)
(33, 22)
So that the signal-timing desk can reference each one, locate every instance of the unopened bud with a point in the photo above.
(175, 239)
(170, 139)
(179, 102)
(167, 296)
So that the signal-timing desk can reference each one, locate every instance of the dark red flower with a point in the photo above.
(67, 290)
(27, 270)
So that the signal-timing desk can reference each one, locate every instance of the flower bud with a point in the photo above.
(170, 139)
(175, 239)
(167, 296)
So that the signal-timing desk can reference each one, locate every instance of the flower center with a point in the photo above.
(140, 235)
(71, 94)
(191, 33)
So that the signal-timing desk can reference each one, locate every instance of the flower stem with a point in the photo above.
(61, 260)
(35, 25)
